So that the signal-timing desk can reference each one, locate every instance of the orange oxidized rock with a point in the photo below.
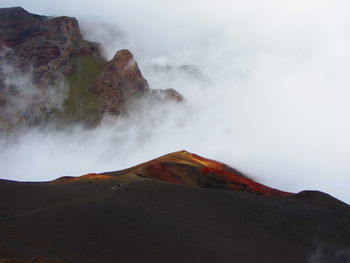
(189, 169)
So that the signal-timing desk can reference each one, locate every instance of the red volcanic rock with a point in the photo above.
(191, 170)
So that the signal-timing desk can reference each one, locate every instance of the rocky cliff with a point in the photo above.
(41, 44)
(50, 56)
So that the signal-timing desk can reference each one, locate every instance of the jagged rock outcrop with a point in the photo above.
(41, 44)
(122, 81)
(50, 56)
(35, 86)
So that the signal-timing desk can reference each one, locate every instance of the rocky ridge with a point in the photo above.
(52, 53)
(41, 44)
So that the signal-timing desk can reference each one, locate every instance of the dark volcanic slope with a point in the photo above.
(123, 217)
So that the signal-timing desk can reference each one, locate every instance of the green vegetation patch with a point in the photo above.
(81, 105)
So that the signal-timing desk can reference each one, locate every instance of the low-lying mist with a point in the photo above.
(24, 100)
(269, 96)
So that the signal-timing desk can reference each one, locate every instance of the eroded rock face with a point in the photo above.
(166, 95)
(45, 58)
(40, 44)
(120, 81)
(34, 51)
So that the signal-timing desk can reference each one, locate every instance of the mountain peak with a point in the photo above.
(188, 169)
(120, 80)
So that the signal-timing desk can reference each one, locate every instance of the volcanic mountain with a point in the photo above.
(177, 208)
(191, 170)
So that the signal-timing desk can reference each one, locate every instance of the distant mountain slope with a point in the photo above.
(128, 216)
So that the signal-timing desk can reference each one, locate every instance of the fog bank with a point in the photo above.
(271, 98)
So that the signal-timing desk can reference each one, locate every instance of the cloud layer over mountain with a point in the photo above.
(270, 97)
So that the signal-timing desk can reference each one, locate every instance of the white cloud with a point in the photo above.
(274, 102)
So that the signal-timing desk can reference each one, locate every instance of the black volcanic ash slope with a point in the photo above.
(126, 217)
